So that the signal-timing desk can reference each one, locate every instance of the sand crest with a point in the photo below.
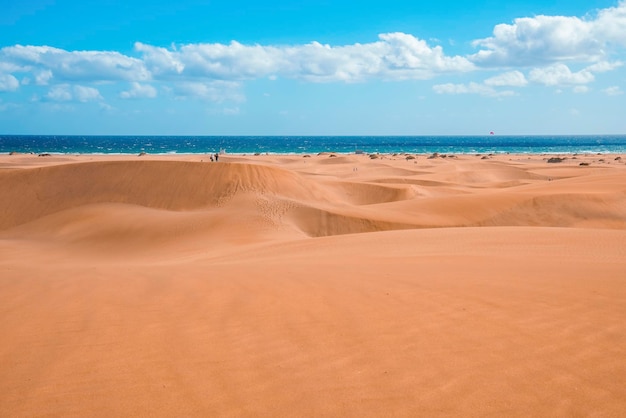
(320, 286)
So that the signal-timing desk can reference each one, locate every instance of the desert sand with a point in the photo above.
(316, 285)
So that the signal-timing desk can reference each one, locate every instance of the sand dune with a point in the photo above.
(319, 286)
(463, 194)
(167, 185)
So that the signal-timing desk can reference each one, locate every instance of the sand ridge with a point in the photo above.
(467, 193)
(312, 286)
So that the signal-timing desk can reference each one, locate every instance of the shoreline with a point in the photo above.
(287, 145)
(320, 153)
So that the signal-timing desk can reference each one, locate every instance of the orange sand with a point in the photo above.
(312, 286)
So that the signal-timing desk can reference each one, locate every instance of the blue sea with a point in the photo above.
(60, 144)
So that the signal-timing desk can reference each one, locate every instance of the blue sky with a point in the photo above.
(308, 67)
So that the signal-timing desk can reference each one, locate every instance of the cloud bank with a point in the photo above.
(545, 40)
(396, 56)
(540, 50)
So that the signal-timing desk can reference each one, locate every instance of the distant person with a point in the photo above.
(216, 157)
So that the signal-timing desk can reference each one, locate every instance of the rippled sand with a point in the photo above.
(312, 286)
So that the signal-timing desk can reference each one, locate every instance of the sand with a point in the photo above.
(312, 286)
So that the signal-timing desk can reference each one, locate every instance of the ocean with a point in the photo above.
(61, 144)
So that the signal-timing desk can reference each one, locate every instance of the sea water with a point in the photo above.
(60, 144)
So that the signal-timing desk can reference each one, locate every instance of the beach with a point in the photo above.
(362, 285)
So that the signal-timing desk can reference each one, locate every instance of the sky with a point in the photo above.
(287, 67)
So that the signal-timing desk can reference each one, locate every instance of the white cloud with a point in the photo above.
(538, 40)
(613, 91)
(139, 91)
(105, 107)
(71, 66)
(215, 91)
(161, 61)
(611, 24)
(410, 54)
(59, 94)
(512, 79)
(544, 40)
(86, 94)
(9, 67)
(42, 77)
(395, 56)
(559, 75)
(8, 82)
(229, 62)
(539, 50)
(471, 88)
(580, 89)
(604, 66)
(66, 93)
